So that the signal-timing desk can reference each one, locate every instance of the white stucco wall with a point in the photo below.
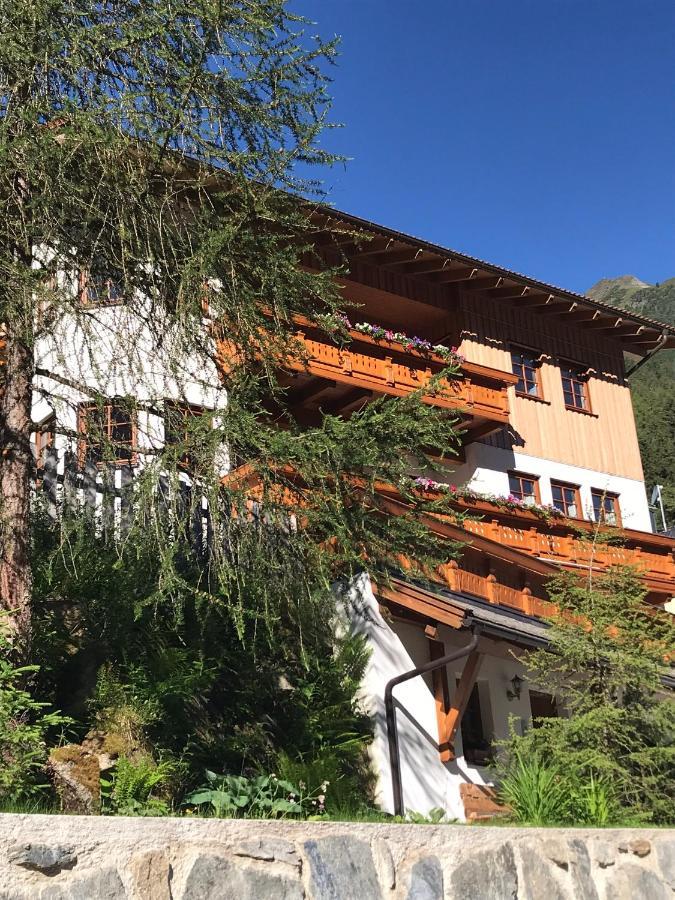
(113, 351)
(486, 469)
(397, 647)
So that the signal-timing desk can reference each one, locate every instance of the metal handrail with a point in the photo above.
(392, 729)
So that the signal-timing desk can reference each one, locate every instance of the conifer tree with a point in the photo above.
(155, 145)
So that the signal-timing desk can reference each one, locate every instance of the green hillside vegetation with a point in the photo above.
(653, 385)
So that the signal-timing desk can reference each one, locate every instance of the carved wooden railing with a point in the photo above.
(385, 367)
(571, 543)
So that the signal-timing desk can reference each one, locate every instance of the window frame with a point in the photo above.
(188, 410)
(45, 438)
(84, 296)
(535, 367)
(524, 476)
(85, 443)
(581, 380)
(566, 485)
(599, 516)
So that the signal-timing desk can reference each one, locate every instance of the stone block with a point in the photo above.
(270, 850)
(665, 856)
(580, 870)
(342, 868)
(603, 853)
(48, 858)
(151, 873)
(426, 880)
(488, 875)
(631, 882)
(640, 847)
(538, 878)
(218, 878)
(384, 863)
(558, 851)
(104, 884)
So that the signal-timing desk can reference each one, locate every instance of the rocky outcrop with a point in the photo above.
(73, 858)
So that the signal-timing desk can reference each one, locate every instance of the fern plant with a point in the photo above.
(131, 788)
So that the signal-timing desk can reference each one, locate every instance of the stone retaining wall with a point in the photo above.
(99, 858)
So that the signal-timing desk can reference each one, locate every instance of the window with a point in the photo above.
(524, 364)
(108, 432)
(566, 499)
(543, 706)
(179, 425)
(476, 743)
(99, 290)
(44, 441)
(575, 388)
(606, 507)
(524, 487)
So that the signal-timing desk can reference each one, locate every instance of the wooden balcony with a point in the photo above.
(573, 552)
(338, 378)
(523, 540)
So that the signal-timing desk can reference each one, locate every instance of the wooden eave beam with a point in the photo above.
(484, 284)
(425, 266)
(605, 322)
(348, 400)
(425, 603)
(393, 257)
(466, 273)
(511, 292)
(583, 315)
(374, 249)
(533, 301)
(649, 342)
(309, 391)
(356, 249)
(479, 430)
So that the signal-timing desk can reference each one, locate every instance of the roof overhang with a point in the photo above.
(360, 241)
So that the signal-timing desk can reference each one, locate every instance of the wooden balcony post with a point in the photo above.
(490, 586)
(450, 574)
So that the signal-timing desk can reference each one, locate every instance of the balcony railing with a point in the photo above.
(385, 367)
(574, 543)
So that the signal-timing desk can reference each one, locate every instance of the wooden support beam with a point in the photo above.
(439, 680)
(465, 273)
(484, 284)
(651, 338)
(531, 301)
(605, 322)
(511, 292)
(584, 315)
(462, 695)
(424, 266)
(475, 432)
(347, 401)
(310, 391)
(373, 248)
(391, 257)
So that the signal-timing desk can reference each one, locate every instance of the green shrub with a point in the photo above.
(24, 725)
(264, 796)
(132, 788)
(536, 791)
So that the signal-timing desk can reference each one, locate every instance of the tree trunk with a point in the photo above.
(16, 470)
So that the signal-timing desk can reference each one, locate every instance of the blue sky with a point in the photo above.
(537, 134)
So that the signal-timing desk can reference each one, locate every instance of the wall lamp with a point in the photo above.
(516, 687)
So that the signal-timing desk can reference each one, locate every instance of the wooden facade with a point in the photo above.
(604, 438)
(403, 284)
